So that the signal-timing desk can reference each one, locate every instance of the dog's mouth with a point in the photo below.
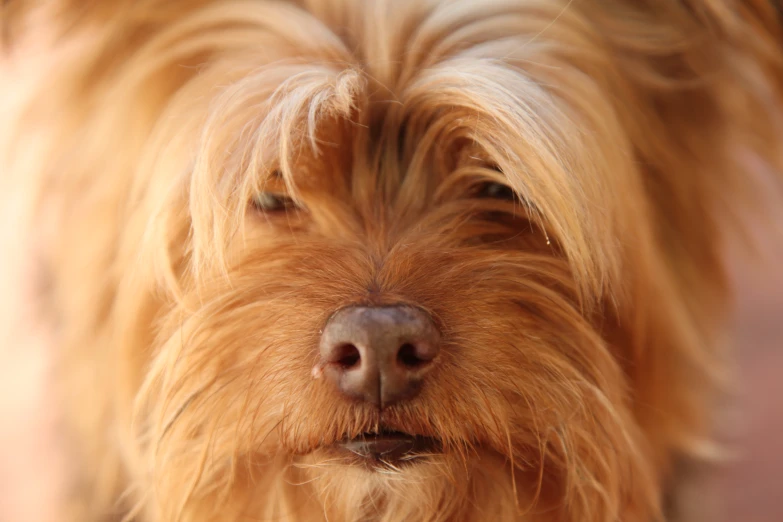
(388, 447)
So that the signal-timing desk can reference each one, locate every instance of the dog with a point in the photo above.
(375, 260)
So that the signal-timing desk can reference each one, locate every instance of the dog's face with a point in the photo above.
(420, 261)
(400, 282)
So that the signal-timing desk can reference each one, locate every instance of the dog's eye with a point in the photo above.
(496, 190)
(269, 202)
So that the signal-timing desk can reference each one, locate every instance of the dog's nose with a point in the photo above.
(379, 354)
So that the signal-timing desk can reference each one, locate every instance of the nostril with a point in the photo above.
(409, 358)
(379, 355)
(347, 356)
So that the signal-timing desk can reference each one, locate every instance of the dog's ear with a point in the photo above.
(752, 31)
(753, 27)
(731, 17)
(723, 127)
(703, 96)
(699, 91)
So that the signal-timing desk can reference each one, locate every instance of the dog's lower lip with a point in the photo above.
(389, 447)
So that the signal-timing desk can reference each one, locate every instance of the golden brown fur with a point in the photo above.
(582, 328)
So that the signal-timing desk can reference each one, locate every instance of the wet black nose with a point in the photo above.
(380, 355)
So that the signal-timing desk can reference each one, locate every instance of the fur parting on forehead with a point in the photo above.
(552, 149)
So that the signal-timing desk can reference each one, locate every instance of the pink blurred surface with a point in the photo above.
(752, 486)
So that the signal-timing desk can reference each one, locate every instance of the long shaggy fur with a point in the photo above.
(582, 324)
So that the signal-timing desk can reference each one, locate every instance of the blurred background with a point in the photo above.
(751, 488)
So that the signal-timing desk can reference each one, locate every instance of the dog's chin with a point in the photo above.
(383, 449)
